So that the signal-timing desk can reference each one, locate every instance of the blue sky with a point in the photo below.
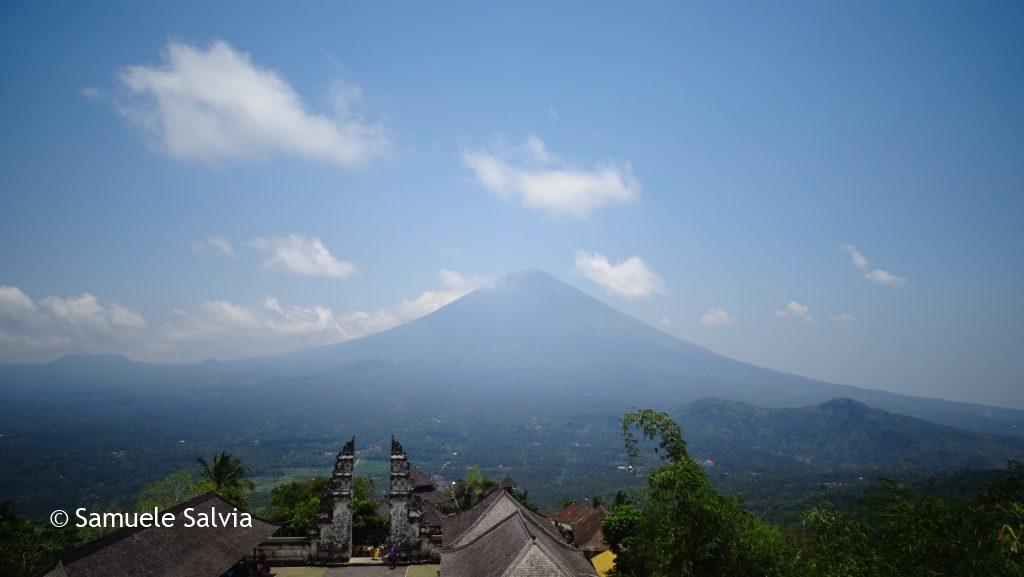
(713, 171)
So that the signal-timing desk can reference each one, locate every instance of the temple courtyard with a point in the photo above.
(358, 571)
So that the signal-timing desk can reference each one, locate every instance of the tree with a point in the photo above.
(368, 526)
(226, 477)
(464, 493)
(167, 491)
(906, 533)
(26, 548)
(296, 505)
(682, 525)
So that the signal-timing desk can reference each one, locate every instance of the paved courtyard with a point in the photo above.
(358, 571)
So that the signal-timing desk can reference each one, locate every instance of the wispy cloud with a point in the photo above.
(716, 317)
(539, 180)
(879, 276)
(215, 245)
(795, 310)
(842, 318)
(303, 256)
(214, 104)
(630, 278)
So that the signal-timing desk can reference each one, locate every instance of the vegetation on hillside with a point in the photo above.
(226, 476)
(680, 525)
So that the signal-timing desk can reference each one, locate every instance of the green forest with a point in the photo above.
(675, 523)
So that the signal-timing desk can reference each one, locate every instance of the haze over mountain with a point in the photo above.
(529, 377)
(532, 334)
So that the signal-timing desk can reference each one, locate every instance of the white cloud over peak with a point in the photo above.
(539, 180)
(795, 310)
(879, 276)
(842, 317)
(214, 104)
(716, 317)
(215, 245)
(303, 256)
(630, 278)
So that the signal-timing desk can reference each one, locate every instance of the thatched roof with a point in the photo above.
(177, 551)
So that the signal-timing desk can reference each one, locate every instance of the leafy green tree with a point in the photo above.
(296, 505)
(908, 534)
(167, 491)
(683, 526)
(368, 526)
(464, 493)
(226, 477)
(26, 548)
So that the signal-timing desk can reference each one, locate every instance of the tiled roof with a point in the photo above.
(501, 537)
(420, 480)
(585, 523)
(177, 551)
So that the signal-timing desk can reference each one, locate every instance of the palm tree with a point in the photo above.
(226, 477)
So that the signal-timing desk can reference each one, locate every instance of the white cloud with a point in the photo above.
(14, 304)
(91, 93)
(842, 317)
(40, 331)
(122, 316)
(215, 245)
(303, 256)
(53, 324)
(716, 317)
(885, 278)
(226, 329)
(667, 321)
(83, 310)
(541, 181)
(795, 310)
(215, 104)
(879, 276)
(630, 278)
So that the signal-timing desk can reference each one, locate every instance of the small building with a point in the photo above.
(499, 536)
(584, 523)
(177, 551)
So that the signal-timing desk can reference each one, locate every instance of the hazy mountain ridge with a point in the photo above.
(842, 434)
(528, 377)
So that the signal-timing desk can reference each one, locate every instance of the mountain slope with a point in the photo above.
(531, 334)
(840, 434)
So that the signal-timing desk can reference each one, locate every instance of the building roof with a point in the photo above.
(499, 537)
(603, 562)
(420, 480)
(585, 523)
(177, 551)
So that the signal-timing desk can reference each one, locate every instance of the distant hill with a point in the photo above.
(840, 434)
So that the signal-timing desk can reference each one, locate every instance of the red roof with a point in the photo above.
(585, 522)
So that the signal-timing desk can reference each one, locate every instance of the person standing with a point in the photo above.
(392, 556)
